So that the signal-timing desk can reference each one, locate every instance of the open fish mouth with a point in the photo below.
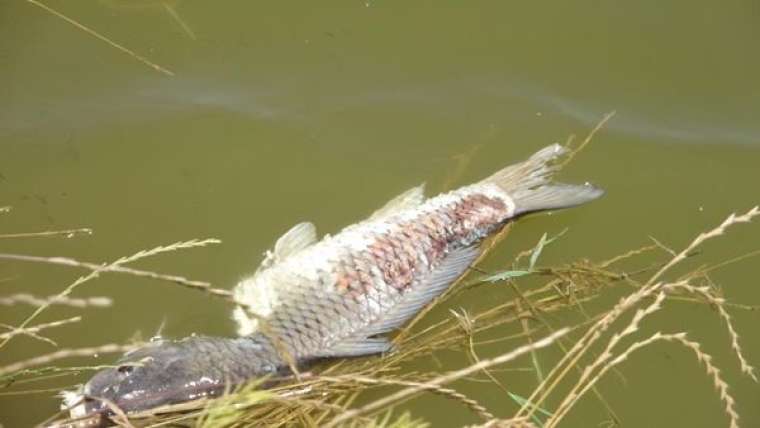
(83, 411)
(74, 403)
(89, 411)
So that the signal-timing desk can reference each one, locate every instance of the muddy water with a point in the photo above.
(278, 114)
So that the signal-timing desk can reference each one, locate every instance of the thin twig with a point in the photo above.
(173, 13)
(31, 334)
(66, 353)
(652, 287)
(36, 329)
(84, 302)
(408, 392)
(588, 138)
(106, 40)
(720, 230)
(446, 392)
(572, 397)
(65, 261)
(720, 384)
(68, 233)
(139, 255)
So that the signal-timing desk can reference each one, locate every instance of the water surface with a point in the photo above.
(283, 113)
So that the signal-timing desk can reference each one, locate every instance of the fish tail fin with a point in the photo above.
(530, 185)
(554, 197)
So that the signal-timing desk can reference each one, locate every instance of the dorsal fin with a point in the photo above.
(294, 240)
(408, 199)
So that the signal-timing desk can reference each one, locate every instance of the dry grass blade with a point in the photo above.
(506, 423)
(720, 230)
(102, 38)
(470, 403)
(444, 379)
(32, 331)
(67, 233)
(720, 384)
(588, 138)
(462, 163)
(651, 288)
(583, 382)
(139, 255)
(719, 305)
(65, 261)
(178, 19)
(84, 302)
(64, 353)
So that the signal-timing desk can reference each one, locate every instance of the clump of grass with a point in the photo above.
(327, 396)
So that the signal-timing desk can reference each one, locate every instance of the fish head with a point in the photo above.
(161, 373)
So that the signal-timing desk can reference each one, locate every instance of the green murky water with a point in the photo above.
(283, 113)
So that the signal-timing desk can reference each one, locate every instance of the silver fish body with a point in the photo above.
(337, 296)
(333, 297)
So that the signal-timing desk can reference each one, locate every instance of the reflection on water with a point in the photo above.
(683, 128)
(137, 101)
(155, 98)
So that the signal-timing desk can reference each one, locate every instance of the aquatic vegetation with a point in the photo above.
(328, 396)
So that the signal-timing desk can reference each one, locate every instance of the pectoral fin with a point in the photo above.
(357, 347)
(436, 282)
(433, 285)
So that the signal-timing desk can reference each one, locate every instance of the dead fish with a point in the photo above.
(335, 297)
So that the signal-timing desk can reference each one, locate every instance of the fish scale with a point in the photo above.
(374, 279)
(338, 296)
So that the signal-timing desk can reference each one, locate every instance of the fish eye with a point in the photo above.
(125, 369)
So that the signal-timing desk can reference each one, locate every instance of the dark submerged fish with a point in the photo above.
(336, 297)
